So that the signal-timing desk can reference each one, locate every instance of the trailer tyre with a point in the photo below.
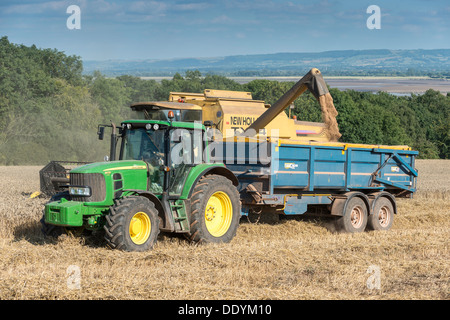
(383, 215)
(215, 210)
(355, 217)
(132, 224)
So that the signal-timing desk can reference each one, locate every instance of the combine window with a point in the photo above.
(191, 115)
(180, 115)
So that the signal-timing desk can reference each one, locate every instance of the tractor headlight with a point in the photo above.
(80, 191)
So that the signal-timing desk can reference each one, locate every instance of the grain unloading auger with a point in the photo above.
(314, 82)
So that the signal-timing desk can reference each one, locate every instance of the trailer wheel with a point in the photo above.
(383, 215)
(355, 217)
(215, 210)
(132, 224)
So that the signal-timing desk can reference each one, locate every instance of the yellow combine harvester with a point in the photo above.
(235, 112)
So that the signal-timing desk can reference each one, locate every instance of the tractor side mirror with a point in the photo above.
(101, 133)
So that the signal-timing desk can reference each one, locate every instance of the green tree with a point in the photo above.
(267, 90)
(112, 96)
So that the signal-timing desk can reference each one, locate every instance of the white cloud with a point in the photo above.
(222, 19)
(145, 7)
(37, 7)
(192, 6)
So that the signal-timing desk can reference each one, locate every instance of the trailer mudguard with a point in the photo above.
(373, 197)
(340, 202)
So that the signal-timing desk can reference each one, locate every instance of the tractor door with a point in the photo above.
(186, 151)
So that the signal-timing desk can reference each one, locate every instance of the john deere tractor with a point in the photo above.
(162, 181)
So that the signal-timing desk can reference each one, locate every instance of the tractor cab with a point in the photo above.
(170, 150)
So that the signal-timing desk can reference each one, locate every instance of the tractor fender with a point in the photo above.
(150, 196)
(339, 205)
(373, 197)
(219, 170)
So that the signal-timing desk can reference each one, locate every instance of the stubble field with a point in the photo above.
(289, 260)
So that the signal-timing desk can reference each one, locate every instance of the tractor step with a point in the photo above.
(179, 216)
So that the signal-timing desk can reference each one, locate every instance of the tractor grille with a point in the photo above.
(94, 180)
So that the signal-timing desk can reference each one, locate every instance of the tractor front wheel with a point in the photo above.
(132, 224)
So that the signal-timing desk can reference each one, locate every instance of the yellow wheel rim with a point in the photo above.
(218, 214)
(140, 228)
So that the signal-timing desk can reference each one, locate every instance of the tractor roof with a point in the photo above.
(177, 124)
(155, 105)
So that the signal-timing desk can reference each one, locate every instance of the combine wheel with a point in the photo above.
(216, 210)
(132, 224)
(355, 217)
(383, 215)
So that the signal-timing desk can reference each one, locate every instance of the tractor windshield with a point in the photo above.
(142, 144)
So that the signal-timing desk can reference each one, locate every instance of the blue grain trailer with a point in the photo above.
(356, 183)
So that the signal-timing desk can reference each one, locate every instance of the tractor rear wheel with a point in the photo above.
(215, 210)
(132, 224)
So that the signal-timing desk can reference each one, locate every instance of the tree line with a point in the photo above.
(49, 110)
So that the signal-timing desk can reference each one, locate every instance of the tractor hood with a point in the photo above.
(109, 180)
(109, 166)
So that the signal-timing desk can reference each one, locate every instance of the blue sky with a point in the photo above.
(119, 29)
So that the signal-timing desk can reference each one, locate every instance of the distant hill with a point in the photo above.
(345, 62)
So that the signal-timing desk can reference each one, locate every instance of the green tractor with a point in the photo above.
(163, 180)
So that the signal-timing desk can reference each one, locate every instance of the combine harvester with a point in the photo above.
(199, 162)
